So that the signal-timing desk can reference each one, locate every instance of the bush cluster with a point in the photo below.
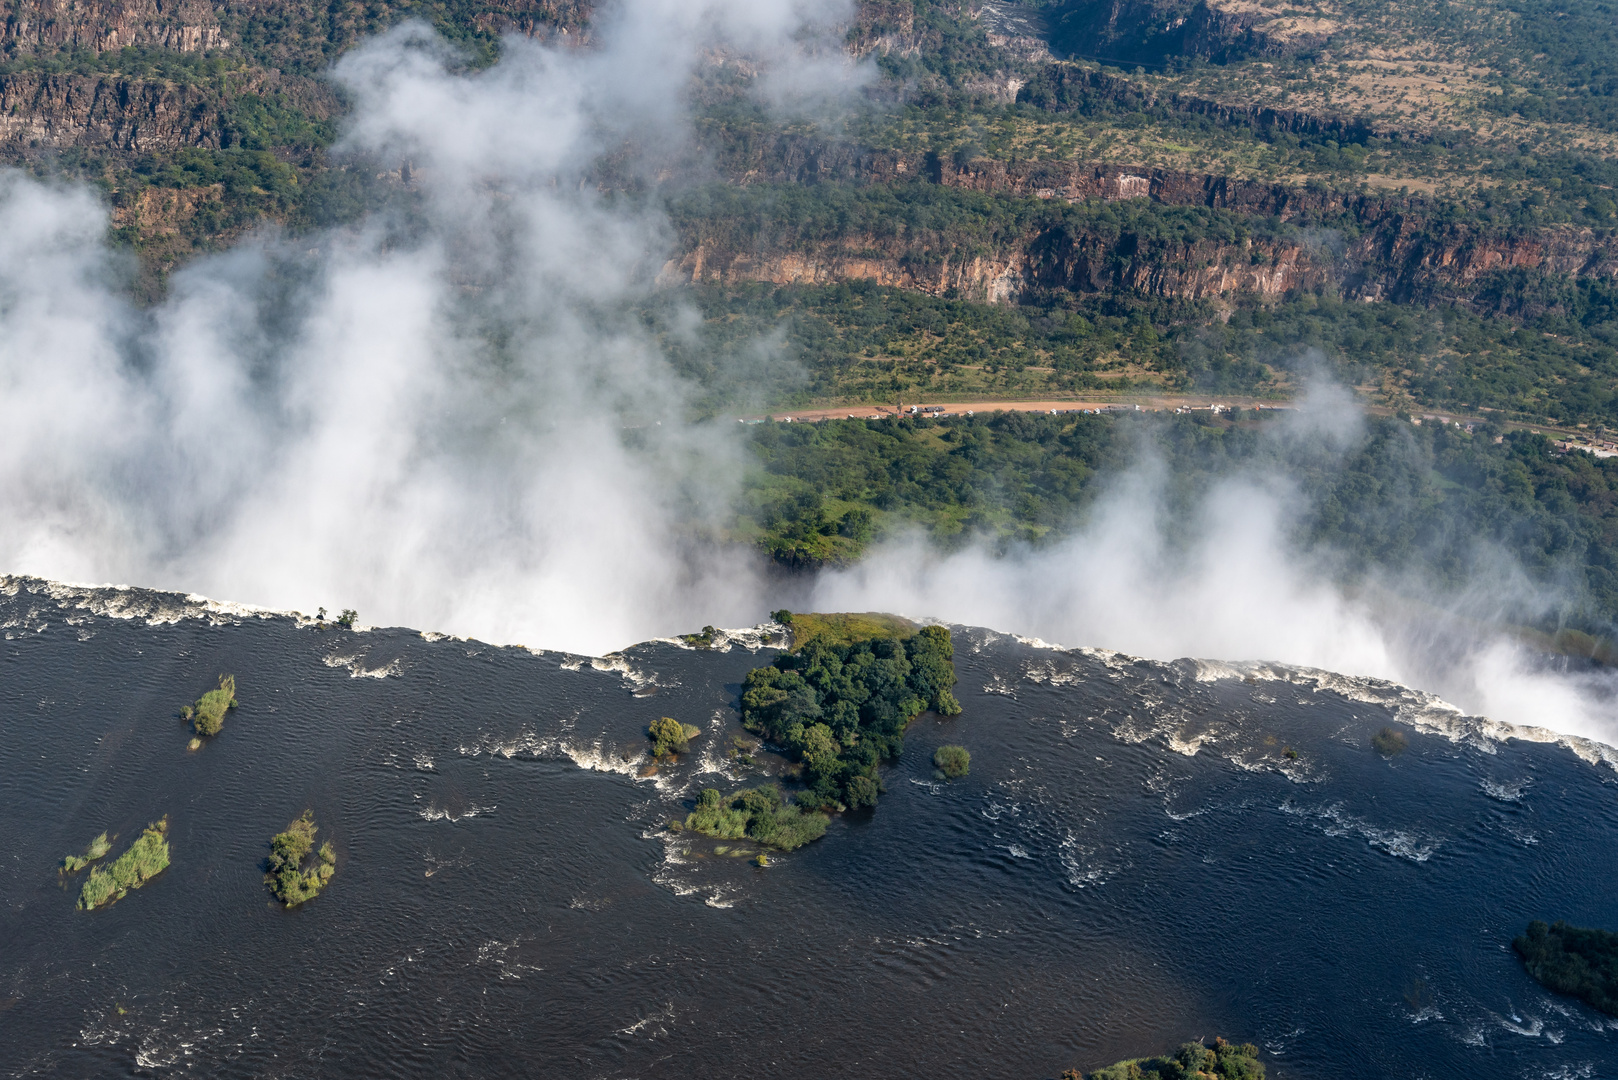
(289, 879)
(842, 709)
(1192, 1061)
(1573, 960)
(147, 857)
(760, 814)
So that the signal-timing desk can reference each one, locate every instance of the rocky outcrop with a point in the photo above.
(109, 113)
(1052, 259)
(34, 27)
(1365, 245)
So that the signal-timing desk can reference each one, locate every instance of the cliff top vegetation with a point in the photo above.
(841, 630)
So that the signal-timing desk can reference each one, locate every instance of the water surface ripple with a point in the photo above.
(1133, 862)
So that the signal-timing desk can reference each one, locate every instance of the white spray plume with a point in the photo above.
(1241, 589)
(432, 430)
(337, 426)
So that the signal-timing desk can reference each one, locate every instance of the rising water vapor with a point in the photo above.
(438, 422)
(1234, 582)
(439, 419)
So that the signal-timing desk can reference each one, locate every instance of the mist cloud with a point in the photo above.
(439, 421)
(1234, 582)
(426, 422)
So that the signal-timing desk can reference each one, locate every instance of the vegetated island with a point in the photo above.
(760, 814)
(669, 736)
(98, 848)
(952, 762)
(1192, 1061)
(840, 701)
(290, 881)
(839, 704)
(147, 857)
(207, 716)
(1573, 960)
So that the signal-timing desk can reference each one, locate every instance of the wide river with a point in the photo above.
(1134, 861)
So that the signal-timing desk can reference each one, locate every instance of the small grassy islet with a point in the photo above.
(98, 848)
(952, 761)
(290, 881)
(207, 716)
(147, 857)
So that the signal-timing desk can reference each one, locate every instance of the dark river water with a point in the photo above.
(1133, 862)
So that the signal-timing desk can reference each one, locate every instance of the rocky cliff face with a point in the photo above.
(1049, 260)
(1364, 245)
(122, 115)
(34, 27)
(275, 38)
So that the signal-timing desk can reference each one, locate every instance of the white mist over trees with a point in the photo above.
(425, 422)
(447, 422)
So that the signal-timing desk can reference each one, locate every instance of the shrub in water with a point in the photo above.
(208, 714)
(1389, 742)
(669, 736)
(952, 761)
(289, 880)
(147, 857)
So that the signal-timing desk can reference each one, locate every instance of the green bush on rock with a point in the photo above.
(669, 736)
